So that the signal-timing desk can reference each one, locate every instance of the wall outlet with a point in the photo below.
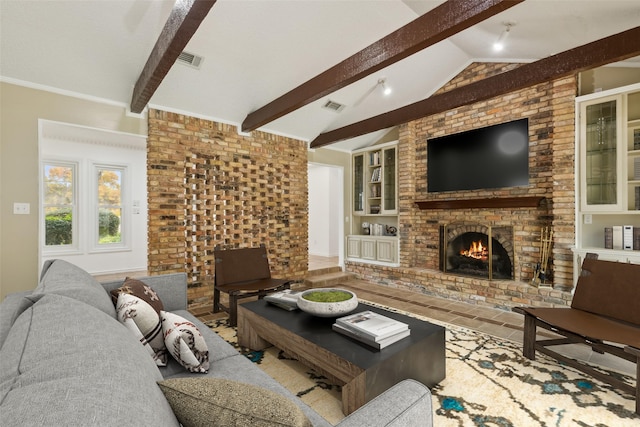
(21, 208)
(588, 219)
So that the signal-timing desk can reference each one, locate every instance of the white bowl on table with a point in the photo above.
(327, 309)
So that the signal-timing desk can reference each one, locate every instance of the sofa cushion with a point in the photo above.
(65, 362)
(64, 278)
(198, 401)
(185, 342)
(142, 320)
(139, 289)
(12, 306)
(170, 287)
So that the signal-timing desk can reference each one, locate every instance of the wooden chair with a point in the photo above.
(243, 273)
(604, 315)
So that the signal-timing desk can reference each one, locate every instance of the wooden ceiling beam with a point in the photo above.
(611, 49)
(186, 16)
(434, 26)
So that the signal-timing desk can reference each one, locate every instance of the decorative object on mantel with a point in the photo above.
(540, 275)
(489, 202)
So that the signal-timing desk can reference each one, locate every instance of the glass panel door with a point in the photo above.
(601, 156)
(358, 183)
(389, 180)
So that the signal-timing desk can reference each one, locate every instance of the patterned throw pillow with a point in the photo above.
(143, 321)
(184, 342)
(139, 289)
(200, 402)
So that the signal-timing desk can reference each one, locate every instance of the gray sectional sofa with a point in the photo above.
(65, 359)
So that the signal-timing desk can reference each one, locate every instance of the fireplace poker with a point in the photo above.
(546, 238)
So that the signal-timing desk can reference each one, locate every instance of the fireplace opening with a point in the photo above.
(476, 253)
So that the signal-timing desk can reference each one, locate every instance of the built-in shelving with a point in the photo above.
(374, 225)
(607, 174)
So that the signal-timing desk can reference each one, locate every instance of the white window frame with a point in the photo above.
(88, 145)
(125, 218)
(75, 247)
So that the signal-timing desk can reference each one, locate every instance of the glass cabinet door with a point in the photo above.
(600, 177)
(358, 183)
(389, 180)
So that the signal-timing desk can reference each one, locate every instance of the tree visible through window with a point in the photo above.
(59, 204)
(109, 205)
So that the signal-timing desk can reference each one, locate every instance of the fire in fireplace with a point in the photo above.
(477, 251)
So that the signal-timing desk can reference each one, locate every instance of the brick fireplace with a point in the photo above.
(477, 250)
(548, 200)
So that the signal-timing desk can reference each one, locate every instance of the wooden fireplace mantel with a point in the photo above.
(495, 202)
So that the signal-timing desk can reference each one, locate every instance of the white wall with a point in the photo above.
(325, 201)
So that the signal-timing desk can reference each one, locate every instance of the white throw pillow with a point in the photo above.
(144, 322)
(184, 342)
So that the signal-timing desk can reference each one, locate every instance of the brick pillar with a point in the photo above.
(406, 193)
(209, 186)
(563, 107)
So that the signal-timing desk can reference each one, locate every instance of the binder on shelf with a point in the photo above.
(627, 237)
(608, 238)
(617, 237)
(636, 238)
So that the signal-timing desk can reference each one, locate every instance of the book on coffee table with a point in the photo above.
(287, 299)
(372, 325)
(380, 344)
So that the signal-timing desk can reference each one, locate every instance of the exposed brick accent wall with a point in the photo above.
(210, 186)
(550, 110)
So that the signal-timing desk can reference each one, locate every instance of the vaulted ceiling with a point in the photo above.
(273, 64)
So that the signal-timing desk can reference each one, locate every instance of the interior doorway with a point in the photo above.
(326, 211)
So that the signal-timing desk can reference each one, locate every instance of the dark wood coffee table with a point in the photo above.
(362, 371)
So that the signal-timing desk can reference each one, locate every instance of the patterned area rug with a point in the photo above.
(488, 383)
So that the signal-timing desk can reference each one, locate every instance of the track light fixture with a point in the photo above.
(499, 44)
(386, 90)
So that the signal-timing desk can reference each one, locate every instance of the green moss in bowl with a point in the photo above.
(327, 302)
(327, 296)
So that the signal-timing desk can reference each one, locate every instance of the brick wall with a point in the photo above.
(209, 186)
(550, 110)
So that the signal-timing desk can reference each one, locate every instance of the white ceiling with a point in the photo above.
(257, 50)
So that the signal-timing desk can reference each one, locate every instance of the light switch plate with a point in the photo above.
(21, 208)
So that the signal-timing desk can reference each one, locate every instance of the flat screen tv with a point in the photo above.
(490, 157)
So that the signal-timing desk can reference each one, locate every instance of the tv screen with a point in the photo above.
(490, 157)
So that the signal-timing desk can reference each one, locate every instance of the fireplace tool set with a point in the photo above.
(540, 275)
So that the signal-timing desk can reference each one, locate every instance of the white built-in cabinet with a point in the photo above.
(607, 174)
(374, 205)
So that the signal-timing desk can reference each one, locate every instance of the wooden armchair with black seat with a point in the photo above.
(243, 273)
